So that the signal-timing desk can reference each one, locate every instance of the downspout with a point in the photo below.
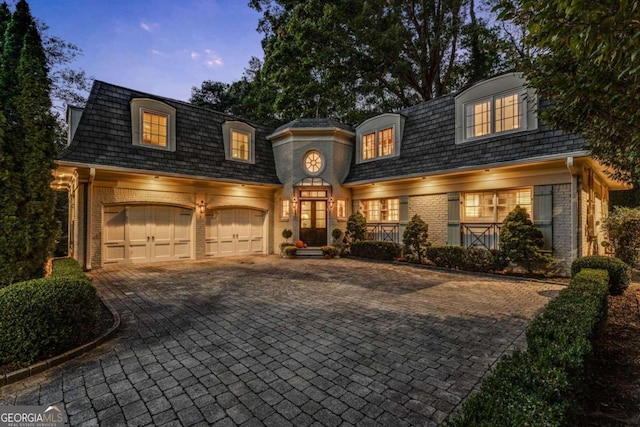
(87, 219)
(574, 209)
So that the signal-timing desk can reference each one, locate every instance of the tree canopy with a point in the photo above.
(349, 59)
(584, 56)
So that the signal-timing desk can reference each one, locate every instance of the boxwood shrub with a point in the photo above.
(536, 388)
(619, 271)
(374, 249)
(471, 259)
(45, 317)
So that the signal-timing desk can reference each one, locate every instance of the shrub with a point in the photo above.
(446, 256)
(284, 245)
(478, 259)
(356, 227)
(44, 317)
(521, 241)
(619, 272)
(67, 267)
(415, 237)
(286, 233)
(536, 388)
(623, 229)
(376, 250)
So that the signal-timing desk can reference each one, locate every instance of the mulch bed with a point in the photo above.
(612, 395)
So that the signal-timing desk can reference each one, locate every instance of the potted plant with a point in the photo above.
(286, 233)
(290, 251)
(336, 233)
(328, 251)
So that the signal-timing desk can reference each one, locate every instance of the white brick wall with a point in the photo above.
(562, 232)
(433, 210)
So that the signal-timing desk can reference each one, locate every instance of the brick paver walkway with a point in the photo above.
(266, 341)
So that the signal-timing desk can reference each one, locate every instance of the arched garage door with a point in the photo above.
(146, 233)
(236, 231)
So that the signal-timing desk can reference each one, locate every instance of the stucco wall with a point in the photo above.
(433, 210)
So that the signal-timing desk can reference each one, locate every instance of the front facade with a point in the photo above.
(154, 179)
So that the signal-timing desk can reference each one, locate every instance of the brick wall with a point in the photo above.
(433, 210)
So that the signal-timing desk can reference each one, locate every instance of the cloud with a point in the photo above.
(156, 52)
(145, 26)
(208, 57)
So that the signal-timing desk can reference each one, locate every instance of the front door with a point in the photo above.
(313, 222)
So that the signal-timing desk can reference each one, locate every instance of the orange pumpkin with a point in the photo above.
(300, 244)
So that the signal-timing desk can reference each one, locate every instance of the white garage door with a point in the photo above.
(146, 233)
(235, 232)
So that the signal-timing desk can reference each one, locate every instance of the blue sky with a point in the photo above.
(162, 47)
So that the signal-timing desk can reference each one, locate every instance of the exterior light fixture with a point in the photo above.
(294, 203)
(202, 206)
(332, 202)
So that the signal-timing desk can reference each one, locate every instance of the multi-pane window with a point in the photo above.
(341, 208)
(494, 206)
(239, 145)
(381, 210)
(368, 146)
(500, 113)
(385, 142)
(377, 144)
(285, 207)
(154, 129)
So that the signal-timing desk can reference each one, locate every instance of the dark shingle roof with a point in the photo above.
(428, 145)
(314, 123)
(104, 138)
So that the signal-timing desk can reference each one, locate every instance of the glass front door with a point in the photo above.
(313, 222)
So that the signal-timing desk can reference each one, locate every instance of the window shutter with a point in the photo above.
(404, 209)
(543, 213)
(453, 219)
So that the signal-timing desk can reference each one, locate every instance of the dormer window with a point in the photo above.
(497, 106)
(239, 141)
(379, 137)
(153, 124)
(500, 113)
(239, 145)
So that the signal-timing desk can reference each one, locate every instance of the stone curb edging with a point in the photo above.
(39, 367)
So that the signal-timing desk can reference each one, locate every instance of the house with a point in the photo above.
(153, 179)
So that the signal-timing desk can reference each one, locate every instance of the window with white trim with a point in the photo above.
(341, 208)
(153, 124)
(378, 144)
(500, 113)
(239, 141)
(381, 210)
(501, 105)
(494, 206)
(285, 209)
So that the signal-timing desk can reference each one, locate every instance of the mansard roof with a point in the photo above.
(314, 123)
(104, 138)
(429, 146)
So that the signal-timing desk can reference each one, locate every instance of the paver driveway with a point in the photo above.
(266, 341)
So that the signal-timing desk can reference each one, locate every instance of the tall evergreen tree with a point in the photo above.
(28, 228)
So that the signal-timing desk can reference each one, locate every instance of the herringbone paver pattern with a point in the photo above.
(265, 341)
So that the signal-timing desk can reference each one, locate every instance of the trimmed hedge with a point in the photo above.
(536, 388)
(45, 317)
(619, 271)
(374, 249)
(471, 259)
(66, 267)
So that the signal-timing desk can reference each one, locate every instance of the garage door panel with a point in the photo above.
(151, 233)
(237, 231)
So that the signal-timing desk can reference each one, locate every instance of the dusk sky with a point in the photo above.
(163, 47)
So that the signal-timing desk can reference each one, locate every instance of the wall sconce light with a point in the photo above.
(294, 203)
(332, 202)
(202, 206)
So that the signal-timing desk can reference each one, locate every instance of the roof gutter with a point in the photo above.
(581, 153)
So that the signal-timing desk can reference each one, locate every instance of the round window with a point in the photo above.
(313, 162)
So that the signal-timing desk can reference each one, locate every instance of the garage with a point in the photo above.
(236, 231)
(146, 233)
